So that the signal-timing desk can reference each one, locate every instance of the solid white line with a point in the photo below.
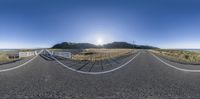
(4, 70)
(97, 72)
(181, 69)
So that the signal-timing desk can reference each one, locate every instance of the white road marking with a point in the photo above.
(97, 72)
(4, 70)
(181, 69)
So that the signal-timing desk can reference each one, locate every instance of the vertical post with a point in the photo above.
(133, 44)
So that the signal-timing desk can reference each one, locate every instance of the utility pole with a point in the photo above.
(133, 44)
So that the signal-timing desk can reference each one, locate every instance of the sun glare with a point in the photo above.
(99, 41)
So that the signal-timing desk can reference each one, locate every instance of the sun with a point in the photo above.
(99, 41)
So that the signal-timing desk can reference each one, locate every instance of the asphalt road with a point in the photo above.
(144, 77)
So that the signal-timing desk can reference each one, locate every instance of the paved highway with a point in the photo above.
(144, 77)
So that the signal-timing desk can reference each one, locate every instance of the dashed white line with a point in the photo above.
(4, 70)
(180, 69)
(95, 73)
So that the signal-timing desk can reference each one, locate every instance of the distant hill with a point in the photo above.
(119, 45)
(69, 45)
(145, 47)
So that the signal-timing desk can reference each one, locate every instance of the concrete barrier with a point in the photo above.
(27, 54)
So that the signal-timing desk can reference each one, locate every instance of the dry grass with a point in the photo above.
(180, 55)
(24, 50)
(101, 54)
(4, 57)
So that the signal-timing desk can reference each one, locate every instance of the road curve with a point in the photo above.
(14, 66)
(144, 77)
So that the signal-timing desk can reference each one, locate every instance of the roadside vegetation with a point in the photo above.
(12, 56)
(95, 54)
(181, 56)
(25, 50)
(4, 58)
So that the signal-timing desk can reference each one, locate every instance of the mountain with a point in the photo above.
(119, 45)
(145, 47)
(69, 45)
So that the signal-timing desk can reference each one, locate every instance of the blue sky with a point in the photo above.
(43, 23)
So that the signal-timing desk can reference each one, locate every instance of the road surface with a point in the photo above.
(143, 77)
